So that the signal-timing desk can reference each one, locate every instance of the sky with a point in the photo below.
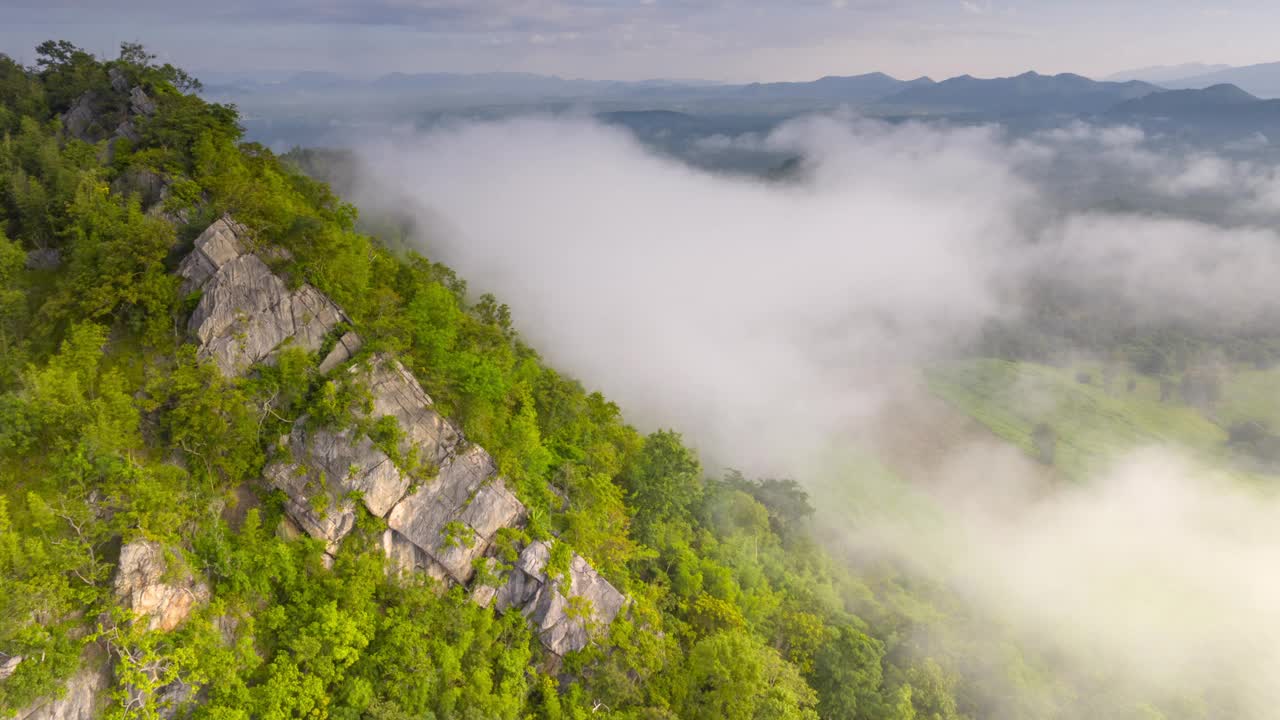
(730, 40)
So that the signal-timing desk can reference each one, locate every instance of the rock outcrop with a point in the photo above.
(442, 498)
(562, 621)
(449, 521)
(247, 312)
(97, 116)
(343, 350)
(141, 585)
(83, 697)
(445, 527)
(9, 666)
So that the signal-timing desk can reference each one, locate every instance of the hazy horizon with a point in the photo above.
(696, 39)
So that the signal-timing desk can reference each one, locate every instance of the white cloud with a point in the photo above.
(772, 321)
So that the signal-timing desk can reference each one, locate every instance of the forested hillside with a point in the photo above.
(258, 459)
(148, 569)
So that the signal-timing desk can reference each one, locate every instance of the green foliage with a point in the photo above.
(731, 676)
(113, 428)
(67, 72)
(211, 419)
(13, 310)
(665, 482)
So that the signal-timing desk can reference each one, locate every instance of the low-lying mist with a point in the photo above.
(774, 320)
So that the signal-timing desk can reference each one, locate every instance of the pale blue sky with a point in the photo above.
(716, 39)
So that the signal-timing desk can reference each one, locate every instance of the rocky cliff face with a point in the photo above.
(246, 312)
(443, 508)
(140, 585)
(109, 116)
(562, 620)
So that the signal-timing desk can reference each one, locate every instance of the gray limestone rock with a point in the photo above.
(246, 312)
(119, 82)
(408, 558)
(9, 666)
(139, 586)
(334, 464)
(397, 393)
(148, 185)
(216, 246)
(329, 519)
(81, 118)
(454, 517)
(140, 104)
(347, 346)
(564, 622)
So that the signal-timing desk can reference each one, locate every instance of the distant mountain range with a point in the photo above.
(312, 107)
(1211, 99)
(1160, 74)
(1027, 93)
(1218, 112)
(1262, 80)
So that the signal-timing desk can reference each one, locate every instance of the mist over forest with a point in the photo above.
(781, 324)
(504, 395)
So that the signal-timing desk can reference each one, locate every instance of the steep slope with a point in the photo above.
(445, 527)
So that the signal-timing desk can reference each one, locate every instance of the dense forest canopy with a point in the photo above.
(114, 430)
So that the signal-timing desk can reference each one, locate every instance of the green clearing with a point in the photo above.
(1091, 425)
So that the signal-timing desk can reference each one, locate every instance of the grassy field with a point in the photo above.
(1091, 424)
(1251, 395)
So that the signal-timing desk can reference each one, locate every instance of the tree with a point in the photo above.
(665, 481)
(733, 676)
(67, 72)
(13, 309)
(847, 674)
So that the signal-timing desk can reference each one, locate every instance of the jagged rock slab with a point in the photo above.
(246, 312)
(218, 245)
(139, 586)
(140, 103)
(119, 82)
(408, 558)
(10, 666)
(561, 627)
(330, 465)
(337, 463)
(346, 347)
(149, 186)
(468, 495)
(330, 522)
(81, 118)
(397, 393)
